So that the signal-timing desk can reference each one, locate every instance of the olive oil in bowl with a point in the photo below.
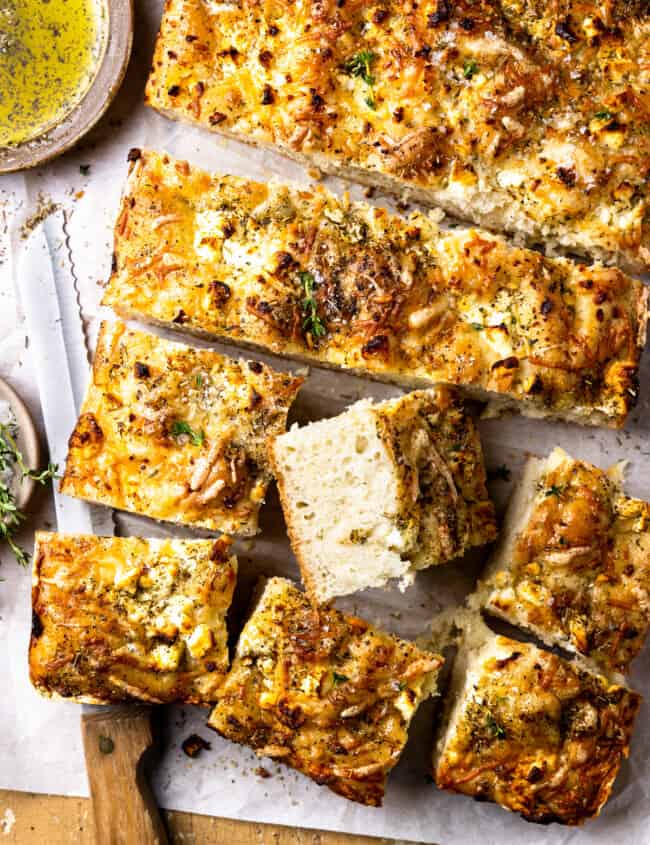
(49, 53)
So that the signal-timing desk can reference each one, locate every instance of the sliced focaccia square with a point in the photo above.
(125, 619)
(382, 490)
(302, 273)
(528, 117)
(573, 562)
(535, 733)
(323, 692)
(177, 433)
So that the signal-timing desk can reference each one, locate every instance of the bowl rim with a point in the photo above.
(92, 106)
(28, 440)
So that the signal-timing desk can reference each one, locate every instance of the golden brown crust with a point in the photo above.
(323, 692)
(125, 619)
(537, 735)
(436, 448)
(521, 115)
(578, 572)
(176, 433)
(301, 273)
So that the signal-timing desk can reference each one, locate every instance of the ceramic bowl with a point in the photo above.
(118, 34)
(28, 441)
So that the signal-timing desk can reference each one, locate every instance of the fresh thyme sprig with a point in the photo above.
(470, 69)
(496, 729)
(12, 461)
(180, 428)
(311, 323)
(359, 66)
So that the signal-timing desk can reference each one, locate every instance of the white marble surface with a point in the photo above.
(40, 747)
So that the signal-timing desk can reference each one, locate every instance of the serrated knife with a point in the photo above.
(116, 738)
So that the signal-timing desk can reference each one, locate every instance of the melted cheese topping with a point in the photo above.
(323, 692)
(176, 433)
(437, 454)
(390, 297)
(537, 735)
(523, 115)
(125, 619)
(578, 573)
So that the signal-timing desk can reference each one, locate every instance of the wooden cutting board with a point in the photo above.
(28, 819)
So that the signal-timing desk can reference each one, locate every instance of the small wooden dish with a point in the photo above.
(118, 39)
(27, 442)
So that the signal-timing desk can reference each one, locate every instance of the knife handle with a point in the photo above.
(116, 742)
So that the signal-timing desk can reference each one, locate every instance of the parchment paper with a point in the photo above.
(40, 748)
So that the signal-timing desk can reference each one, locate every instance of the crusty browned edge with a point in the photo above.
(36, 626)
(391, 185)
(310, 586)
(67, 487)
(642, 315)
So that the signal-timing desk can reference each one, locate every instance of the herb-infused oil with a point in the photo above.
(49, 52)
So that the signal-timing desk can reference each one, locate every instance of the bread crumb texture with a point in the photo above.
(383, 490)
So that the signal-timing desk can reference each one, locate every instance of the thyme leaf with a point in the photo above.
(470, 68)
(497, 730)
(311, 323)
(360, 65)
(12, 462)
(555, 490)
(180, 428)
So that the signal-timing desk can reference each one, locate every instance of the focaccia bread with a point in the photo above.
(573, 562)
(322, 692)
(302, 273)
(522, 116)
(124, 619)
(537, 734)
(382, 490)
(176, 433)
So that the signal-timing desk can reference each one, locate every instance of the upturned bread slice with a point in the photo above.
(381, 491)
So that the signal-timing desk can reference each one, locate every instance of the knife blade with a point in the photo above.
(61, 372)
(116, 738)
